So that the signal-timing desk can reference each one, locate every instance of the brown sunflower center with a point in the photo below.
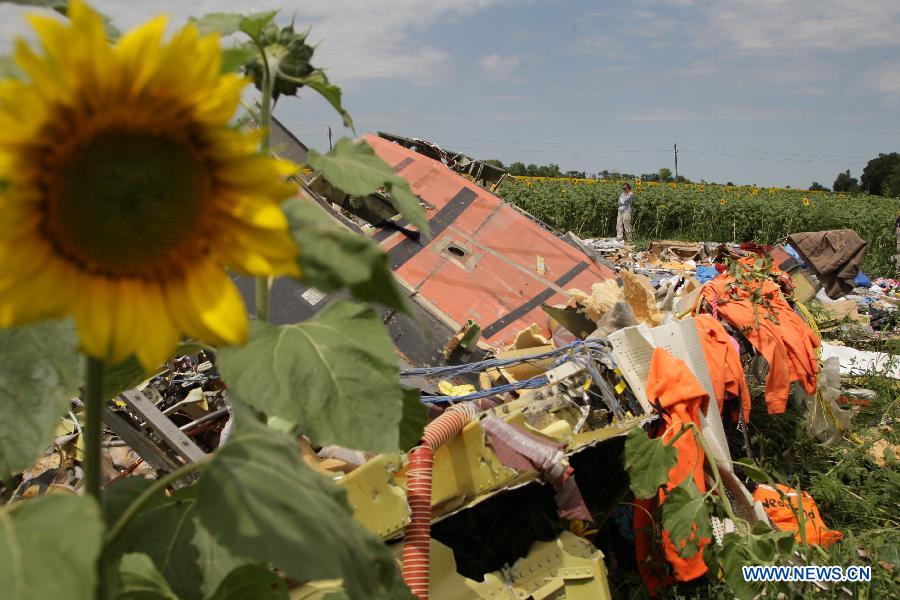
(127, 204)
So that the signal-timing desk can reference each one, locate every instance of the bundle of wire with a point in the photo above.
(579, 348)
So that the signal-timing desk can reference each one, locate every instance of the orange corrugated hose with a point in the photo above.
(417, 537)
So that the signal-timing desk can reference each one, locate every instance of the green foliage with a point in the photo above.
(415, 417)
(357, 170)
(707, 212)
(170, 532)
(261, 501)
(331, 257)
(138, 579)
(48, 548)
(845, 183)
(39, 373)
(335, 375)
(877, 172)
(278, 52)
(647, 462)
(251, 581)
(686, 517)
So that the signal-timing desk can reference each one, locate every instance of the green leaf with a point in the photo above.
(39, 373)
(253, 24)
(318, 81)
(336, 375)
(235, 58)
(356, 169)
(119, 494)
(169, 531)
(647, 462)
(251, 581)
(331, 257)
(49, 548)
(731, 558)
(221, 23)
(752, 470)
(686, 517)
(415, 417)
(260, 500)
(138, 579)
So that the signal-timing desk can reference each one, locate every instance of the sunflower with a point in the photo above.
(124, 192)
(805, 201)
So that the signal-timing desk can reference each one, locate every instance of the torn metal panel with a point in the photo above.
(482, 172)
(286, 144)
(504, 290)
(567, 567)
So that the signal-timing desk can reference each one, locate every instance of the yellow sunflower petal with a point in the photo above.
(42, 294)
(207, 306)
(95, 315)
(135, 51)
(155, 331)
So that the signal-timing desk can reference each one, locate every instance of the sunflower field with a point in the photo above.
(708, 212)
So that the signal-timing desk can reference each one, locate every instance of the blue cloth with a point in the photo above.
(790, 250)
(862, 280)
(705, 273)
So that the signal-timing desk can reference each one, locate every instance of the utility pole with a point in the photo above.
(676, 161)
(329, 142)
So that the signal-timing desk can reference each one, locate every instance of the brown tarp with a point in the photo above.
(834, 256)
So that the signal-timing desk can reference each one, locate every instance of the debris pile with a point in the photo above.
(557, 350)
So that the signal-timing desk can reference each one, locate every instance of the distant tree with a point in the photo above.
(576, 174)
(682, 179)
(874, 177)
(665, 174)
(495, 162)
(517, 168)
(817, 187)
(730, 183)
(531, 170)
(845, 183)
(893, 182)
(649, 176)
(551, 170)
(604, 174)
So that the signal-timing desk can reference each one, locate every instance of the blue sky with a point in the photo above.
(771, 92)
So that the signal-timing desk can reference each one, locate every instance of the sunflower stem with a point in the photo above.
(93, 424)
(93, 401)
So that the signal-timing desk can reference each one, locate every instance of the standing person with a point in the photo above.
(623, 220)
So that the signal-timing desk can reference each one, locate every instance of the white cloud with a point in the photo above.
(358, 40)
(501, 67)
(884, 78)
(791, 27)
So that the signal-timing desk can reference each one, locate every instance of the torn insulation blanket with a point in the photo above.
(486, 261)
(776, 331)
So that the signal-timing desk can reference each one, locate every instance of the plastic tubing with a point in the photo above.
(417, 536)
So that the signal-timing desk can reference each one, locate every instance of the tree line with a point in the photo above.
(552, 170)
(880, 177)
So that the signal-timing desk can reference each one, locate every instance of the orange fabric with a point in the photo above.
(779, 511)
(723, 363)
(673, 388)
(788, 346)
